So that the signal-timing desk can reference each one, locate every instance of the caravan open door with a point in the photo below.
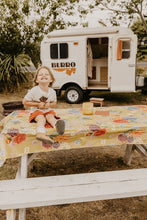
(123, 64)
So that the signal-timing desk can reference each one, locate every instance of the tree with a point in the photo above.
(139, 30)
(126, 9)
(25, 22)
(12, 54)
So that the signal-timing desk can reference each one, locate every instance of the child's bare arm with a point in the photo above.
(39, 105)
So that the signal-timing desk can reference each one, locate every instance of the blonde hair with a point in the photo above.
(37, 72)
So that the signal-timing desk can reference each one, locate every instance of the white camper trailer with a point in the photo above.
(87, 59)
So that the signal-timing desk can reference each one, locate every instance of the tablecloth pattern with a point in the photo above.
(108, 126)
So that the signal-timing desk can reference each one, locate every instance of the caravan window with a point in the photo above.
(123, 49)
(59, 51)
(54, 51)
(63, 51)
(126, 49)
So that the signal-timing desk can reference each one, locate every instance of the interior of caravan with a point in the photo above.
(97, 62)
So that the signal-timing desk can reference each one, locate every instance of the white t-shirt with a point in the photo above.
(36, 93)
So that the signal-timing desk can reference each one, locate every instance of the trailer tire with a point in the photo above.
(144, 90)
(73, 95)
(87, 92)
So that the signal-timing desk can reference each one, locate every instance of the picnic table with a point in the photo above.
(108, 126)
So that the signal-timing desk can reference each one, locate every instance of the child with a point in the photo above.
(42, 98)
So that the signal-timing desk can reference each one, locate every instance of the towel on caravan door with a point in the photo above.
(89, 60)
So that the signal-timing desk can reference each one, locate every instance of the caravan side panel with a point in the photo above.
(70, 65)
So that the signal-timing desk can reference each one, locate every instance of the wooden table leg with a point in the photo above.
(142, 149)
(21, 173)
(2, 162)
(31, 158)
(128, 153)
(11, 214)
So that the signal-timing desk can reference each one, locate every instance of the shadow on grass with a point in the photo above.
(118, 98)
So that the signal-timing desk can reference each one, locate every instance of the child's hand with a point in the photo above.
(47, 105)
(41, 105)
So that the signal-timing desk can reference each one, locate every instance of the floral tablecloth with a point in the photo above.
(108, 126)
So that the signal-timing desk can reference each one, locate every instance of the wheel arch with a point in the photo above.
(65, 86)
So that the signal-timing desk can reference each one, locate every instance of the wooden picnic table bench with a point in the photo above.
(55, 190)
(23, 192)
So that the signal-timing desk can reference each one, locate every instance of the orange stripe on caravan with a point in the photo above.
(69, 71)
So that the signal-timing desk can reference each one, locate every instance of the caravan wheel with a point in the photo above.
(73, 95)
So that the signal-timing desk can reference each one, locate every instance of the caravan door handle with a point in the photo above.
(132, 65)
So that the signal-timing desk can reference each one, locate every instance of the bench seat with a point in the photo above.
(65, 189)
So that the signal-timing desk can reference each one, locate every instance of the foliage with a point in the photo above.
(13, 71)
(128, 11)
(25, 22)
(125, 10)
(139, 70)
(139, 30)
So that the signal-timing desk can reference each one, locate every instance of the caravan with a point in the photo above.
(87, 59)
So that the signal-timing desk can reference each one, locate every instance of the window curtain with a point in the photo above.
(119, 50)
(89, 60)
